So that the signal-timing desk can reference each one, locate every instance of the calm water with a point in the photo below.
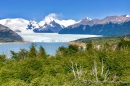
(49, 47)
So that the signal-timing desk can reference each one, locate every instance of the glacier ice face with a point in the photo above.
(53, 37)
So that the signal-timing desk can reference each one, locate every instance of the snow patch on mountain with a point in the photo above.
(66, 23)
(16, 24)
(34, 23)
(87, 18)
(54, 17)
(127, 15)
(48, 19)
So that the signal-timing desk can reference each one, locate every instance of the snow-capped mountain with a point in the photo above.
(52, 27)
(114, 19)
(49, 24)
(53, 17)
(16, 24)
(109, 26)
(126, 15)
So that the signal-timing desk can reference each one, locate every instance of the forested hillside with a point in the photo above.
(71, 66)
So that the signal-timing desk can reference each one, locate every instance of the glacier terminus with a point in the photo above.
(53, 37)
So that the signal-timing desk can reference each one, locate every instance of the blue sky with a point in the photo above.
(67, 9)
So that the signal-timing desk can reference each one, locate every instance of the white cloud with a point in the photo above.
(54, 17)
(48, 19)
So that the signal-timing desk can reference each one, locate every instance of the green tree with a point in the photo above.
(22, 53)
(42, 52)
(89, 46)
(61, 51)
(107, 46)
(72, 49)
(123, 44)
(32, 52)
(2, 57)
(14, 55)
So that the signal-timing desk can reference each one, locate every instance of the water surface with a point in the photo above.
(49, 47)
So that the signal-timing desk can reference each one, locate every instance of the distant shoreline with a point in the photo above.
(77, 43)
(24, 42)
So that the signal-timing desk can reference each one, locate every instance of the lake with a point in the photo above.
(49, 47)
(50, 41)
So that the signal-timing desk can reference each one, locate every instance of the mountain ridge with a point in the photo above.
(7, 35)
(114, 19)
(51, 24)
(108, 29)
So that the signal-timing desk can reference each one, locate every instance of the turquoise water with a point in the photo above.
(50, 48)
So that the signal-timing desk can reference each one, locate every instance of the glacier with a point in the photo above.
(53, 37)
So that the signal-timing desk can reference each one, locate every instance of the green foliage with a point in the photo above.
(15, 82)
(14, 55)
(61, 50)
(71, 49)
(2, 58)
(42, 52)
(32, 52)
(24, 69)
(22, 54)
(103, 40)
(89, 46)
(123, 44)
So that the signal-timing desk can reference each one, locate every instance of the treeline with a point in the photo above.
(71, 66)
(32, 53)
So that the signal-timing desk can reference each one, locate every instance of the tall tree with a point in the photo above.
(2, 57)
(23, 53)
(61, 50)
(32, 52)
(72, 49)
(14, 55)
(89, 46)
(42, 52)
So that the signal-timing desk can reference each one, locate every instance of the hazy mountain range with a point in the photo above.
(51, 24)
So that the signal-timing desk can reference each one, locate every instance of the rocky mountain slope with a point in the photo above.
(113, 19)
(7, 35)
(109, 26)
(52, 27)
(109, 29)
